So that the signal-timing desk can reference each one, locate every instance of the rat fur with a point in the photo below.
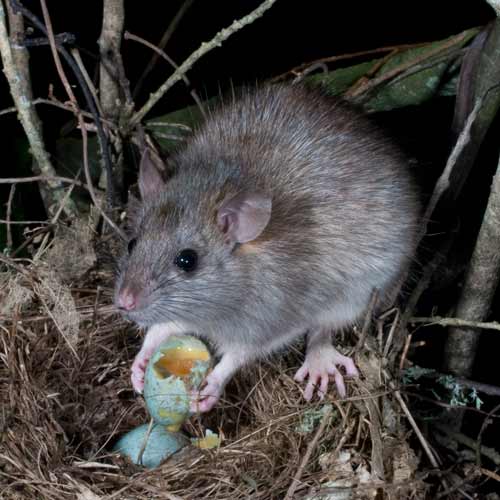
(297, 206)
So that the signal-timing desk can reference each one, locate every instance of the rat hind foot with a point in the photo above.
(321, 364)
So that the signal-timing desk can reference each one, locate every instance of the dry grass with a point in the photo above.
(66, 397)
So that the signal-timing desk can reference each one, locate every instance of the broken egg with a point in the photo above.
(176, 369)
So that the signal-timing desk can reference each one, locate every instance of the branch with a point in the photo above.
(312, 445)
(162, 44)
(15, 67)
(79, 115)
(197, 54)
(159, 52)
(443, 182)
(103, 143)
(479, 287)
(440, 321)
(113, 18)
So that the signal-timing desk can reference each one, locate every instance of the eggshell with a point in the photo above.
(176, 368)
(160, 445)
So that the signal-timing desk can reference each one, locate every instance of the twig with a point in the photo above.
(489, 453)
(55, 55)
(405, 352)
(90, 186)
(390, 336)
(440, 321)
(10, 242)
(78, 59)
(196, 55)
(64, 336)
(305, 459)
(331, 59)
(103, 143)
(36, 178)
(389, 75)
(57, 104)
(66, 38)
(162, 44)
(425, 279)
(81, 122)
(20, 88)
(145, 442)
(484, 425)
(368, 320)
(490, 474)
(409, 416)
(194, 95)
(443, 182)
(23, 222)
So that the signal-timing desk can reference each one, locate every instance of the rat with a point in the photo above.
(283, 213)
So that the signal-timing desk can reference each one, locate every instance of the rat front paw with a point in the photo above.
(207, 397)
(319, 366)
(138, 370)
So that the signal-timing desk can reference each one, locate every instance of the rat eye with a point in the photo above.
(131, 244)
(187, 260)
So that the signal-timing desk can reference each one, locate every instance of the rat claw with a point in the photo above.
(138, 370)
(318, 366)
(207, 397)
(301, 374)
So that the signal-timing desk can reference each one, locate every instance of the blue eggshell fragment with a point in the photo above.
(160, 445)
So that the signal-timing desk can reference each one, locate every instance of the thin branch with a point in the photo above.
(298, 70)
(90, 186)
(490, 453)
(55, 55)
(162, 44)
(441, 321)
(10, 243)
(194, 95)
(20, 88)
(78, 59)
(409, 416)
(23, 222)
(37, 178)
(196, 55)
(103, 143)
(80, 121)
(368, 320)
(57, 104)
(371, 85)
(305, 459)
(443, 182)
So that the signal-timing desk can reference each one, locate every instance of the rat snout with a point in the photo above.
(127, 298)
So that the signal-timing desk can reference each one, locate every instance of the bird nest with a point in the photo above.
(66, 397)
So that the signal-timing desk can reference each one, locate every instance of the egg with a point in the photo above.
(160, 444)
(177, 367)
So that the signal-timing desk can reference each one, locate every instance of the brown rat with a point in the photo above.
(285, 210)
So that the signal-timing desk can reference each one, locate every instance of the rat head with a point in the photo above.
(181, 263)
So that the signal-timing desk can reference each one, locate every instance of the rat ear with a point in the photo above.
(245, 216)
(133, 210)
(150, 179)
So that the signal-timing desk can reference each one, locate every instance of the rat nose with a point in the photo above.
(127, 299)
